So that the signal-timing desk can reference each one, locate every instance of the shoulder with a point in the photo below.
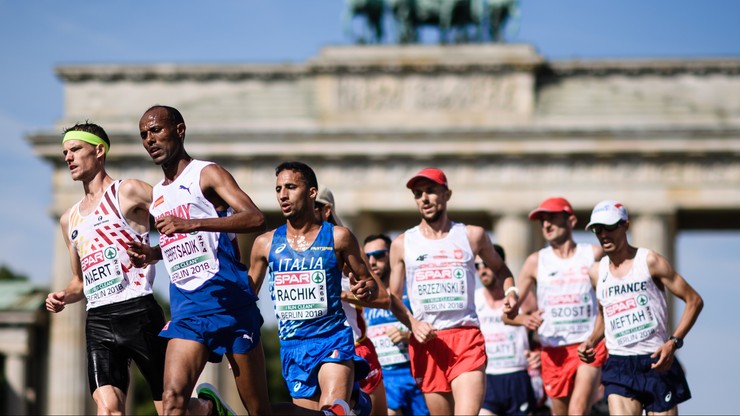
(133, 187)
(597, 251)
(64, 219)
(263, 240)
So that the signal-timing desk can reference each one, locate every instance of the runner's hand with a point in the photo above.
(55, 302)
(396, 335)
(141, 254)
(423, 332)
(169, 224)
(665, 353)
(586, 352)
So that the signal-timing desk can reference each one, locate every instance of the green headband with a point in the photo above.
(85, 137)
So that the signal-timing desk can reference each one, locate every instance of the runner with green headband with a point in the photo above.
(123, 318)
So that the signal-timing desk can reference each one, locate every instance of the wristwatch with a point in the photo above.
(677, 341)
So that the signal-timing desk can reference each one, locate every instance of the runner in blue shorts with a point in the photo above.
(198, 207)
(304, 259)
(391, 339)
(642, 372)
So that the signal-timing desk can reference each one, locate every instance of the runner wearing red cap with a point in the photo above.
(435, 260)
(567, 308)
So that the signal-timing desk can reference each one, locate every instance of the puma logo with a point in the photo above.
(187, 188)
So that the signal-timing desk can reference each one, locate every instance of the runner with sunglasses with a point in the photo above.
(391, 338)
(435, 261)
(567, 308)
(642, 372)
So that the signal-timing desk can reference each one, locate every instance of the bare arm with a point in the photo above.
(134, 198)
(422, 331)
(258, 260)
(220, 188)
(662, 271)
(56, 301)
(586, 351)
(527, 278)
(365, 286)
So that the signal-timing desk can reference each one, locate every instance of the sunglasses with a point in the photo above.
(596, 229)
(378, 254)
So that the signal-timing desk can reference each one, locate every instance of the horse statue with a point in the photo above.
(372, 11)
(457, 16)
(500, 14)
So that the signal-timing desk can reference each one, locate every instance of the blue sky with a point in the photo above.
(38, 35)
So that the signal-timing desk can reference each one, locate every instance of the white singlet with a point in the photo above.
(440, 278)
(634, 308)
(354, 314)
(100, 240)
(565, 294)
(506, 345)
(190, 259)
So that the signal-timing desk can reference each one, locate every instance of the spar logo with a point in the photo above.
(317, 277)
(625, 305)
(302, 278)
(458, 273)
(110, 253)
(432, 274)
(92, 260)
(642, 300)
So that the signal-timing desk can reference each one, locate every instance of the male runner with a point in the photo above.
(567, 308)
(391, 338)
(197, 208)
(372, 384)
(305, 258)
(642, 372)
(436, 262)
(509, 388)
(123, 319)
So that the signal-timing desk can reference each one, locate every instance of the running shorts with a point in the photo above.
(120, 332)
(233, 332)
(402, 392)
(366, 350)
(450, 353)
(559, 367)
(631, 376)
(302, 359)
(509, 394)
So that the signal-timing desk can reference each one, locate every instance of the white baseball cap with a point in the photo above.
(607, 212)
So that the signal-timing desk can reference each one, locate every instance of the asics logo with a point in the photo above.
(297, 386)
(668, 397)
(280, 248)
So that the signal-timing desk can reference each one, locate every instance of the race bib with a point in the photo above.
(186, 255)
(389, 353)
(631, 320)
(102, 273)
(441, 288)
(300, 295)
(570, 313)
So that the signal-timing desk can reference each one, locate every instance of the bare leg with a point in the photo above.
(110, 400)
(468, 390)
(439, 403)
(380, 402)
(587, 382)
(336, 381)
(184, 362)
(559, 406)
(251, 380)
(620, 405)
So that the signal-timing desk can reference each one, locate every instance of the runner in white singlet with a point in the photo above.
(642, 373)
(435, 262)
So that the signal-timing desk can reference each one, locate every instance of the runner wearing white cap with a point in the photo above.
(642, 372)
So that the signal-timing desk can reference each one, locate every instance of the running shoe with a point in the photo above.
(207, 391)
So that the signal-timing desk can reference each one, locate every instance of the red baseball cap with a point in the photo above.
(432, 174)
(556, 204)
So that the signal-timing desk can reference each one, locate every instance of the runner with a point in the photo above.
(305, 258)
(567, 308)
(642, 372)
(123, 319)
(198, 207)
(391, 338)
(436, 262)
(509, 388)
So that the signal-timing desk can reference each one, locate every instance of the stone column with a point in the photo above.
(68, 391)
(514, 233)
(15, 374)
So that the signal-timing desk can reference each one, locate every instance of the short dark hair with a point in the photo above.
(379, 236)
(90, 128)
(308, 174)
(500, 251)
(173, 115)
